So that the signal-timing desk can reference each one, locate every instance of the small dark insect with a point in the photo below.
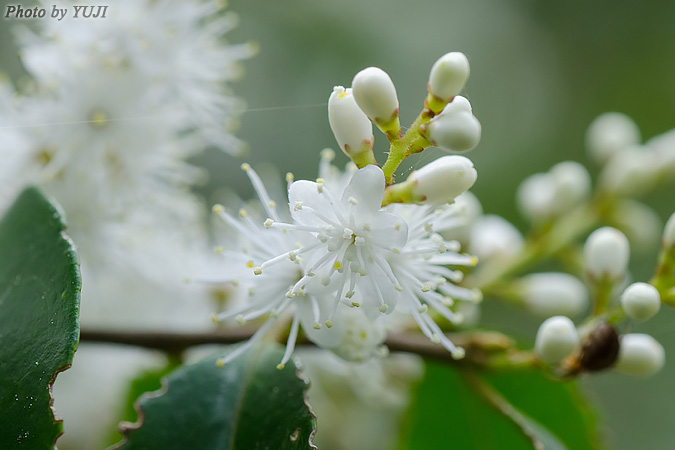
(599, 350)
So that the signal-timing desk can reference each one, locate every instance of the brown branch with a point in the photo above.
(479, 346)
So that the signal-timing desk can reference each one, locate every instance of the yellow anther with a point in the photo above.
(218, 209)
(426, 288)
(246, 167)
(289, 177)
(242, 213)
(280, 366)
(218, 249)
(257, 271)
(329, 324)
(249, 264)
(272, 204)
(220, 362)
(337, 265)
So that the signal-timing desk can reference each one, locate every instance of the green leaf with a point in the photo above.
(246, 405)
(448, 414)
(39, 330)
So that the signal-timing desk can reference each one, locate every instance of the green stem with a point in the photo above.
(410, 143)
(557, 237)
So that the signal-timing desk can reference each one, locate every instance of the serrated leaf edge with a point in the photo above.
(126, 427)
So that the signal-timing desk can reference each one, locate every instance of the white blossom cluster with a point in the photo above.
(114, 109)
(338, 263)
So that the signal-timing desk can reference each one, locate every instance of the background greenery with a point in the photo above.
(541, 71)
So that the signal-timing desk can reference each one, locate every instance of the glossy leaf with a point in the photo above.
(448, 414)
(248, 404)
(39, 330)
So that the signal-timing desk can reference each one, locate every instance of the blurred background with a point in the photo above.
(541, 71)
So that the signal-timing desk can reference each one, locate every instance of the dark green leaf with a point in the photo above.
(246, 405)
(448, 414)
(39, 331)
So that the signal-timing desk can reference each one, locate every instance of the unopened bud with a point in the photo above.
(448, 75)
(455, 128)
(554, 293)
(606, 253)
(640, 354)
(535, 197)
(572, 183)
(669, 232)
(375, 94)
(351, 127)
(442, 180)
(630, 172)
(640, 223)
(556, 339)
(493, 236)
(641, 301)
(610, 133)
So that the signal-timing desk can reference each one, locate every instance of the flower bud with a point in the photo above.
(663, 147)
(351, 127)
(641, 224)
(641, 301)
(572, 185)
(494, 237)
(448, 75)
(630, 172)
(454, 129)
(606, 253)
(536, 196)
(610, 133)
(669, 232)
(556, 339)
(442, 180)
(554, 293)
(375, 94)
(640, 354)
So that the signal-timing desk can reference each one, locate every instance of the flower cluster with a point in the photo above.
(356, 241)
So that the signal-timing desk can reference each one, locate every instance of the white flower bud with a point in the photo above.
(606, 253)
(572, 184)
(543, 196)
(669, 232)
(494, 237)
(556, 339)
(639, 354)
(663, 147)
(375, 94)
(554, 293)
(351, 127)
(610, 133)
(629, 172)
(641, 301)
(455, 128)
(641, 224)
(536, 196)
(448, 75)
(443, 179)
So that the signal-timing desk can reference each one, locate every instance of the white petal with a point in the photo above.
(388, 230)
(367, 188)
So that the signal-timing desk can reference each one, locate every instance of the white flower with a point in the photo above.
(375, 94)
(556, 339)
(606, 253)
(641, 224)
(176, 46)
(610, 133)
(554, 293)
(543, 196)
(362, 403)
(352, 129)
(639, 354)
(350, 234)
(424, 281)
(493, 237)
(448, 75)
(641, 301)
(455, 128)
(442, 180)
